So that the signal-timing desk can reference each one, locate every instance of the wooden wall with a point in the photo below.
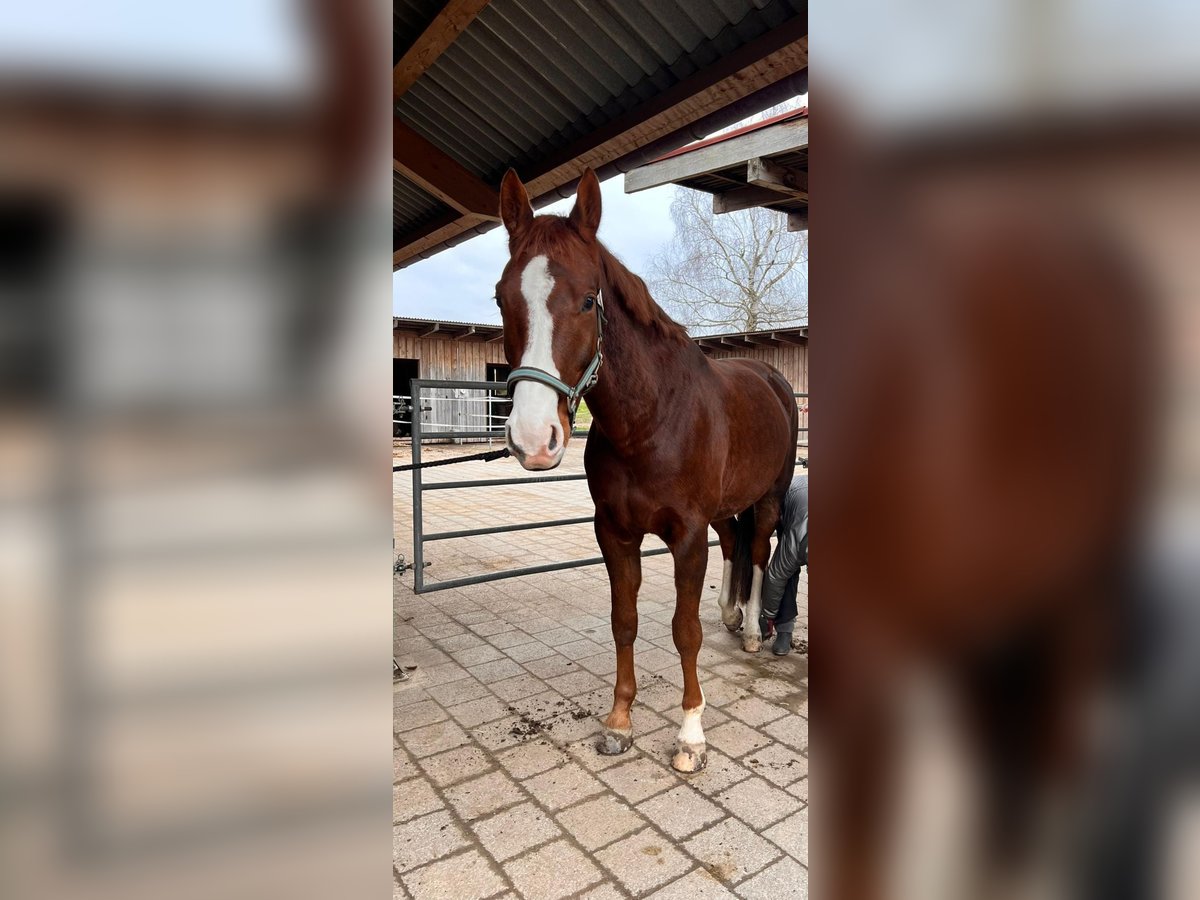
(441, 358)
(467, 360)
(790, 359)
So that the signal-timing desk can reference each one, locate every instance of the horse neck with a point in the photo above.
(640, 366)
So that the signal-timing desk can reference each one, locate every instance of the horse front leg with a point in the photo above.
(691, 559)
(623, 559)
(731, 615)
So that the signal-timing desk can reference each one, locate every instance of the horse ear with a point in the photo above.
(515, 209)
(585, 215)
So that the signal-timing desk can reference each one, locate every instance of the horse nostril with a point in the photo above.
(553, 445)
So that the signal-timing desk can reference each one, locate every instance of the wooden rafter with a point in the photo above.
(447, 179)
(443, 31)
(747, 198)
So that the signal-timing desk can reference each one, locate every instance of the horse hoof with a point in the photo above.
(737, 624)
(614, 742)
(690, 758)
(752, 646)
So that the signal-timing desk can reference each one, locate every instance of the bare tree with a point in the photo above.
(740, 271)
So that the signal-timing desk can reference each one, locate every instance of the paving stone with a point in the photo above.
(491, 627)
(799, 790)
(698, 885)
(731, 851)
(656, 659)
(778, 764)
(757, 802)
(458, 642)
(413, 798)
(455, 765)
(542, 707)
(445, 674)
(532, 758)
(638, 779)
(792, 730)
(402, 766)
(506, 732)
(599, 822)
(468, 876)
(643, 861)
(562, 786)
(506, 639)
(524, 653)
(755, 711)
(476, 712)
(523, 685)
(485, 794)
(786, 878)
(736, 738)
(474, 656)
(606, 891)
(443, 631)
(600, 664)
(574, 683)
(792, 835)
(425, 839)
(551, 666)
(497, 670)
(456, 692)
(720, 773)
(555, 871)
(431, 739)
(680, 811)
(579, 649)
(405, 693)
(559, 635)
(515, 830)
(416, 715)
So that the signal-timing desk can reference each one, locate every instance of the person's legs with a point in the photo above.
(785, 621)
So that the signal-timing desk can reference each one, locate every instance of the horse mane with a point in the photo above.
(549, 233)
(634, 297)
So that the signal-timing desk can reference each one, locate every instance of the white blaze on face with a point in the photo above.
(535, 406)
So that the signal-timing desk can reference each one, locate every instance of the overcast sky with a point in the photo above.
(459, 284)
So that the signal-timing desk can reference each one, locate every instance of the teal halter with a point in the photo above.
(586, 382)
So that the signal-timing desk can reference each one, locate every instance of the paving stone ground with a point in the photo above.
(499, 791)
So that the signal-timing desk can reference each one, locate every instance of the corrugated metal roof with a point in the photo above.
(529, 77)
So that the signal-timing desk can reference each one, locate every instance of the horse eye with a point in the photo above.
(497, 299)
(588, 302)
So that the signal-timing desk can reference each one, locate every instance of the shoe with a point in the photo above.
(783, 643)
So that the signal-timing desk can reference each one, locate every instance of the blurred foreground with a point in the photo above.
(194, 539)
(1005, 621)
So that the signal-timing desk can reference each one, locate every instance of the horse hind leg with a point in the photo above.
(731, 614)
(766, 517)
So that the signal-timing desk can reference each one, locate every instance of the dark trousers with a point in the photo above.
(786, 620)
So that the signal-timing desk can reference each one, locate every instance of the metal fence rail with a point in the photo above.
(419, 488)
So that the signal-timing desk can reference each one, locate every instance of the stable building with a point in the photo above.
(471, 351)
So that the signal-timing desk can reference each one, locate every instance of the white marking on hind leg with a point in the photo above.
(728, 609)
(751, 638)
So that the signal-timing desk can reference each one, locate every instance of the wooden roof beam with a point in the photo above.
(767, 173)
(782, 138)
(748, 197)
(447, 179)
(798, 221)
(466, 334)
(443, 31)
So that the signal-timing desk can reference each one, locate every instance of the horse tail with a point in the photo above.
(743, 570)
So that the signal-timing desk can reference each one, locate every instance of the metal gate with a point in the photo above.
(419, 488)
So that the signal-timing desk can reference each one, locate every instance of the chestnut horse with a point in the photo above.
(678, 442)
